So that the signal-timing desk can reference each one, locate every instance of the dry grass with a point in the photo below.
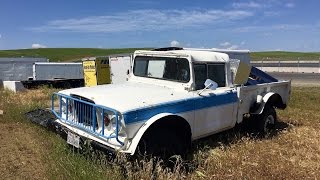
(31, 152)
(23, 148)
(292, 153)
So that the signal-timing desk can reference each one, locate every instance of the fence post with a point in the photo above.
(298, 65)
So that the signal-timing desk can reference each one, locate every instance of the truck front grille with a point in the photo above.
(83, 112)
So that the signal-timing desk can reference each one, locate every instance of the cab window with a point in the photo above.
(165, 68)
(216, 72)
(200, 72)
(213, 71)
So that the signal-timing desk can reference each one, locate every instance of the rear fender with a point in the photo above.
(270, 98)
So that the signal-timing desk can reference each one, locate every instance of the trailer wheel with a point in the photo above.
(266, 121)
(66, 85)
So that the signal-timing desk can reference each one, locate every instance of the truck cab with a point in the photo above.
(214, 106)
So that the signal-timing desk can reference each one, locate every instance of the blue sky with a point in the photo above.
(258, 25)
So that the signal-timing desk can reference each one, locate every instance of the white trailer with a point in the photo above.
(51, 70)
(120, 67)
(58, 75)
(17, 69)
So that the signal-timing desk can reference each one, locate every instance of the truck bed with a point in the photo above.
(248, 94)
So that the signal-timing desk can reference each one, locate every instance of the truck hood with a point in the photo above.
(129, 96)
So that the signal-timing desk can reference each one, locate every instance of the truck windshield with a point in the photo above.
(174, 69)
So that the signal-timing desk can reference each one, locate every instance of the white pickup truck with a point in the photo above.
(172, 97)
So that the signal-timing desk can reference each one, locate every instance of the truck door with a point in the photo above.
(215, 110)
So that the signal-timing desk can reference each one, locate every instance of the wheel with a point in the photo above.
(266, 121)
(66, 85)
(162, 143)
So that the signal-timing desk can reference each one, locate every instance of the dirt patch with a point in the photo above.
(22, 152)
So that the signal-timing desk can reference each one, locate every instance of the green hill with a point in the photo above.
(72, 54)
(63, 54)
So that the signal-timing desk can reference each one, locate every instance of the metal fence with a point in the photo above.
(288, 66)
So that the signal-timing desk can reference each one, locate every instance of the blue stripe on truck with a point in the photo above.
(180, 106)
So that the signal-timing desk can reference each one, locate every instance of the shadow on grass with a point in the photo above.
(231, 136)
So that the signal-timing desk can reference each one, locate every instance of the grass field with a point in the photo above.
(30, 152)
(285, 56)
(72, 54)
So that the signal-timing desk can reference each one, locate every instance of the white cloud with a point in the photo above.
(271, 27)
(255, 4)
(233, 47)
(247, 5)
(174, 43)
(144, 20)
(37, 46)
(0, 36)
(230, 46)
(225, 44)
(289, 5)
(242, 43)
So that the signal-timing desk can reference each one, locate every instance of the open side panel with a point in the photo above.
(259, 77)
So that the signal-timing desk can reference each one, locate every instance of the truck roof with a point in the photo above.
(196, 55)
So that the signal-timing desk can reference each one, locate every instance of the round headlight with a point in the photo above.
(113, 123)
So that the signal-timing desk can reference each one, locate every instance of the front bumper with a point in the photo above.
(63, 132)
(107, 144)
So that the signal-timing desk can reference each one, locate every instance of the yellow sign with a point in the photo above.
(96, 72)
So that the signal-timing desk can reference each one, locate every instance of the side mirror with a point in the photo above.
(210, 84)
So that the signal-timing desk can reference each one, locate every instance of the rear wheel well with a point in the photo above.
(276, 101)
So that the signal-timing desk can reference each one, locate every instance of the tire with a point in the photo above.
(66, 85)
(266, 121)
(162, 143)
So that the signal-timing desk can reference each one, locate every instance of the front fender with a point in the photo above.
(136, 139)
